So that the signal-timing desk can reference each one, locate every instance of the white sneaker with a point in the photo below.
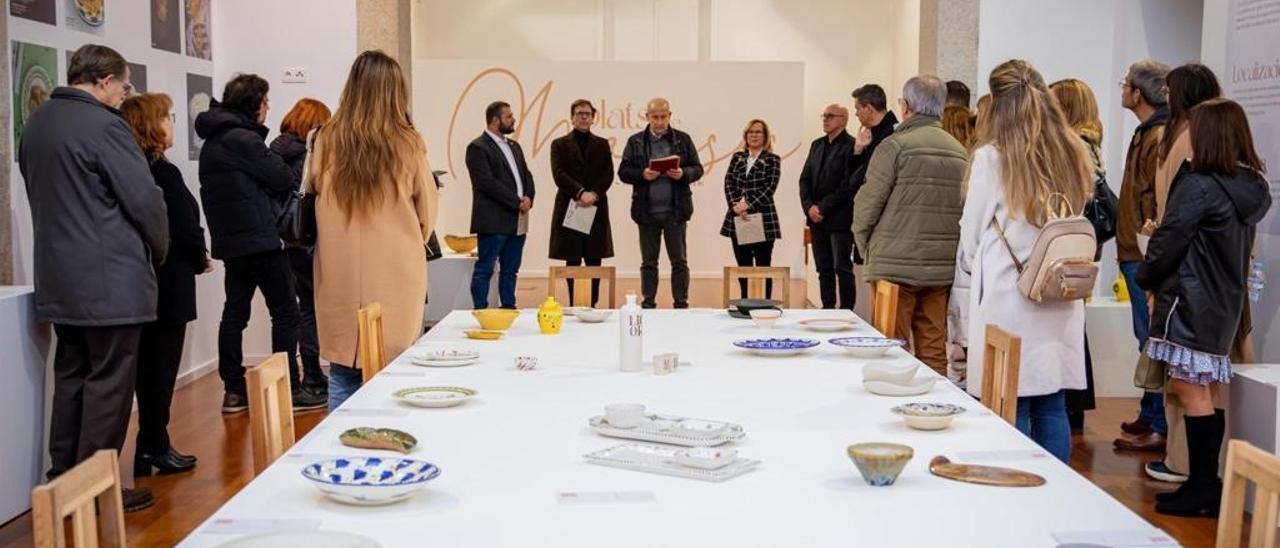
(1159, 472)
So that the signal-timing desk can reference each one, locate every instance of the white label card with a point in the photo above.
(257, 526)
(605, 497)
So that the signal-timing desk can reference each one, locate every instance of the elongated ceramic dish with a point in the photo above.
(435, 396)
(668, 429)
(914, 388)
(661, 460)
(983, 475)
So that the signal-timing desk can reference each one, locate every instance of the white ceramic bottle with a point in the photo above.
(631, 335)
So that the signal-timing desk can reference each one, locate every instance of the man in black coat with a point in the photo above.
(661, 201)
(826, 193)
(501, 197)
(242, 187)
(100, 229)
(582, 166)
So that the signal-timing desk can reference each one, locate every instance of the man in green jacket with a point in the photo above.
(906, 218)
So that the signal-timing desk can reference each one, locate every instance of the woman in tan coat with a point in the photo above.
(375, 208)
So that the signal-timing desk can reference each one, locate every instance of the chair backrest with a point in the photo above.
(372, 351)
(1246, 463)
(884, 308)
(89, 494)
(756, 276)
(581, 276)
(1001, 355)
(270, 410)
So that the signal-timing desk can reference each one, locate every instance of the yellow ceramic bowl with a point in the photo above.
(461, 244)
(497, 319)
(484, 334)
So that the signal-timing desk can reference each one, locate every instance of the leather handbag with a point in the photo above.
(296, 224)
(1149, 374)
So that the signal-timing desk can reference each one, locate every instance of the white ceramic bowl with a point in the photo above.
(591, 315)
(370, 481)
(895, 373)
(765, 317)
(917, 387)
(706, 458)
(928, 416)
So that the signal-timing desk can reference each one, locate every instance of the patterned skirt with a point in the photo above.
(1190, 365)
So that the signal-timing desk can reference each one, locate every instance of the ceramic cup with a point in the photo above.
(624, 415)
(526, 363)
(880, 463)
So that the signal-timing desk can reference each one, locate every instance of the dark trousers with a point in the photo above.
(93, 375)
(833, 255)
(159, 356)
(595, 284)
(757, 254)
(652, 235)
(507, 250)
(301, 261)
(271, 273)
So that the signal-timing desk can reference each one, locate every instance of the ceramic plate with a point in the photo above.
(827, 325)
(776, 346)
(573, 310)
(867, 347)
(310, 539)
(435, 396)
(917, 387)
(370, 481)
(446, 353)
(442, 363)
(484, 334)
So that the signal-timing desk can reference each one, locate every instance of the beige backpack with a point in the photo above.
(1061, 266)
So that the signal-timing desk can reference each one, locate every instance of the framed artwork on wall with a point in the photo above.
(199, 29)
(86, 15)
(35, 10)
(166, 25)
(199, 95)
(35, 74)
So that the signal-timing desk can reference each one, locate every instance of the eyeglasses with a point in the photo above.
(1124, 84)
(173, 117)
(832, 116)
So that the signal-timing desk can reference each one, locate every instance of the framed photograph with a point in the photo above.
(86, 15)
(35, 10)
(199, 29)
(166, 25)
(199, 95)
(35, 74)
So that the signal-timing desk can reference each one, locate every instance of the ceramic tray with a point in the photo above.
(983, 475)
(624, 456)
(652, 430)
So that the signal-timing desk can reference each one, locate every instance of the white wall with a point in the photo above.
(1095, 41)
(843, 44)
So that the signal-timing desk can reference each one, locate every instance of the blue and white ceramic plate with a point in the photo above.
(928, 409)
(370, 481)
(867, 347)
(776, 346)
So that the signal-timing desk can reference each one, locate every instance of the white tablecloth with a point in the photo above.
(506, 457)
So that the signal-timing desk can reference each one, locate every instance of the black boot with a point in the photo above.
(164, 464)
(313, 376)
(1202, 492)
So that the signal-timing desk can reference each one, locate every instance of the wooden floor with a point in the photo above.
(183, 501)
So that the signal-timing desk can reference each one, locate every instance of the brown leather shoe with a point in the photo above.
(1135, 428)
(1150, 441)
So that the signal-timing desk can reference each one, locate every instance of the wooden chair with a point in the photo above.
(1246, 463)
(1000, 359)
(372, 351)
(270, 410)
(89, 494)
(884, 308)
(756, 276)
(582, 276)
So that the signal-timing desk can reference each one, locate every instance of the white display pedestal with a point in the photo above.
(1253, 414)
(26, 346)
(449, 286)
(1109, 325)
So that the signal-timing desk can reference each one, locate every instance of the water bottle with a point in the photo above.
(631, 335)
(1257, 280)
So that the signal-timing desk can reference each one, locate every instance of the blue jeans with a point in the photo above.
(506, 250)
(343, 382)
(1151, 410)
(1041, 418)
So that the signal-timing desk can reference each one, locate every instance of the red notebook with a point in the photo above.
(661, 165)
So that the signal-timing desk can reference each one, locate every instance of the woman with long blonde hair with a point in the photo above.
(375, 208)
(1027, 165)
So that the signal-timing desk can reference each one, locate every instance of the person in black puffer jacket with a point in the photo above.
(242, 188)
(305, 116)
(1195, 270)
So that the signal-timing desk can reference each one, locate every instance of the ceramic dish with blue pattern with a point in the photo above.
(776, 346)
(867, 347)
(370, 481)
(928, 415)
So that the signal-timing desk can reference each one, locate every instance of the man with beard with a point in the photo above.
(501, 197)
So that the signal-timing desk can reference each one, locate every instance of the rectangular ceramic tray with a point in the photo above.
(647, 432)
(619, 456)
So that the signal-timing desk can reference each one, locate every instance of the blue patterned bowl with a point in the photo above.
(928, 415)
(880, 463)
(370, 481)
(867, 347)
(776, 346)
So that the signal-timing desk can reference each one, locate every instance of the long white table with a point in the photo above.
(507, 457)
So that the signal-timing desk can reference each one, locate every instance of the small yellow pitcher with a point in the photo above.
(550, 317)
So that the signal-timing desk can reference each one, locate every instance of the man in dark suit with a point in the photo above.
(501, 197)
(826, 193)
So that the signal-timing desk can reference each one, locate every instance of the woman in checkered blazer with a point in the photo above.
(749, 185)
